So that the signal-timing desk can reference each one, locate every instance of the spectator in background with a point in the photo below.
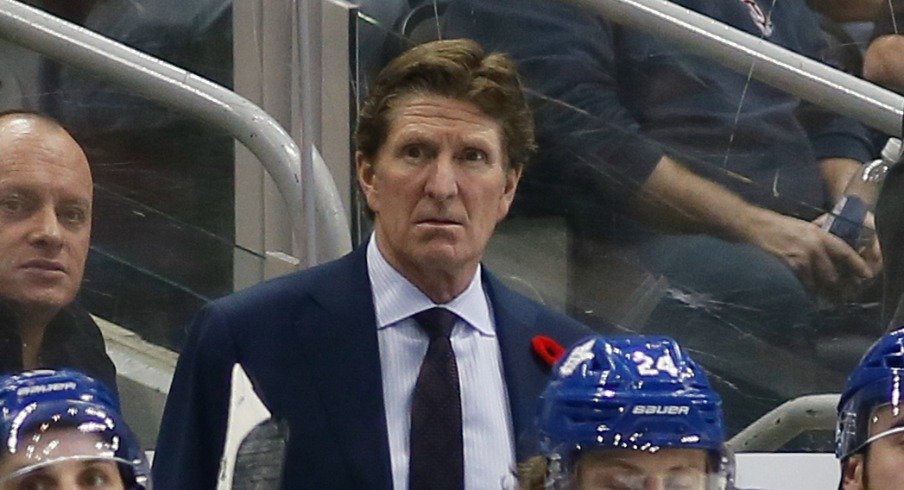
(404, 364)
(622, 412)
(45, 228)
(870, 433)
(160, 176)
(62, 430)
(883, 61)
(883, 64)
(714, 181)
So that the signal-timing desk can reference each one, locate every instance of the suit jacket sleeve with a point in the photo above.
(193, 429)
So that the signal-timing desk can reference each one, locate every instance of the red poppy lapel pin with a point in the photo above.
(546, 349)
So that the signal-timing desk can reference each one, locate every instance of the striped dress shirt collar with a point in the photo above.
(396, 298)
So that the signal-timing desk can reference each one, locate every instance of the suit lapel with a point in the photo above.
(339, 340)
(525, 375)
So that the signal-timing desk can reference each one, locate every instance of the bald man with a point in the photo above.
(45, 226)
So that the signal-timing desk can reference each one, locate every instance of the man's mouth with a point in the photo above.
(439, 224)
(43, 265)
(439, 221)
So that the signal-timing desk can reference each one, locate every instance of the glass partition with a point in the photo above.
(163, 230)
(670, 195)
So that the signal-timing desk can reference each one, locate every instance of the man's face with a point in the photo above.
(883, 467)
(75, 470)
(438, 185)
(45, 214)
(625, 469)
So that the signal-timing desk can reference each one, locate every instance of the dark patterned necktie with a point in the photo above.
(437, 454)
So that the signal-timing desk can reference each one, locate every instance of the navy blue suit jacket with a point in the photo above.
(308, 341)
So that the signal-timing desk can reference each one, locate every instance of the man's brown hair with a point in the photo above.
(458, 69)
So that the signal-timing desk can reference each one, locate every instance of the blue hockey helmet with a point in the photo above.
(875, 383)
(47, 417)
(639, 393)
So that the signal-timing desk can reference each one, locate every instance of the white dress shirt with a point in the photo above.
(489, 453)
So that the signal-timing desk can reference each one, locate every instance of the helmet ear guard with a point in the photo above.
(637, 393)
(875, 383)
(51, 416)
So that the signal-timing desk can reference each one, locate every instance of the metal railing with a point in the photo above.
(790, 419)
(192, 95)
(747, 54)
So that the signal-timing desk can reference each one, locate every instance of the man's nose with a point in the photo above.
(442, 181)
(46, 231)
(654, 483)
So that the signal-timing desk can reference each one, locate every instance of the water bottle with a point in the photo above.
(859, 198)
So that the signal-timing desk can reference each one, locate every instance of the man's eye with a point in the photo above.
(11, 205)
(73, 216)
(36, 482)
(686, 480)
(473, 155)
(896, 439)
(415, 152)
(95, 477)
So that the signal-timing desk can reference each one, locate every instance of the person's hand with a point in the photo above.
(870, 250)
(824, 263)
(869, 247)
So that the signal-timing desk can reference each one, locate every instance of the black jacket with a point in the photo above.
(72, 340)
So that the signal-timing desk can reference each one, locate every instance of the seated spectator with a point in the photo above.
(160, 176)
(629, 413)
(883, 64)
(870, 431)
(883, 61)
(45, 227)
(713, 181)
(63, 430)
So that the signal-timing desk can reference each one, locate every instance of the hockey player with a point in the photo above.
(62, 430)
(631, 413)
(870, 433)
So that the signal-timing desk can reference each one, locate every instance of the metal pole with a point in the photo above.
(308, 115)
(790, 419)
(784, 69)
(175, 88)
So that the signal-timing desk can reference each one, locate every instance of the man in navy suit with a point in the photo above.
(344, 352)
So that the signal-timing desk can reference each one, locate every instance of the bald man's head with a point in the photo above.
(45, 214)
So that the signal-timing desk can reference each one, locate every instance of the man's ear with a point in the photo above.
(852, 471)
(512, 177)
(364, 170)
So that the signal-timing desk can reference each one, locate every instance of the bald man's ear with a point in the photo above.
(852, 473)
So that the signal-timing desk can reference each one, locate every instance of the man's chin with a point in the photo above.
(40, 301)
(444, 258)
